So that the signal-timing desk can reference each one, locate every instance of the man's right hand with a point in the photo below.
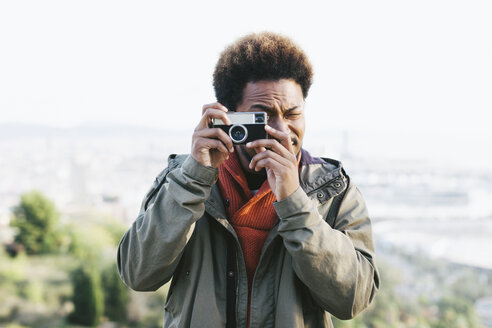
(211, 146)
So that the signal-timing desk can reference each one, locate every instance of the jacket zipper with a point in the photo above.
(235, 245)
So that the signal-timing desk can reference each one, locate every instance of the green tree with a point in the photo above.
(87, 297)
(456, 313)
(116, 295)
(36, 220)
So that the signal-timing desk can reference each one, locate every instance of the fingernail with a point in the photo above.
(248, 144)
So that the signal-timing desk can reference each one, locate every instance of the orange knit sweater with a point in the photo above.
(252, 216)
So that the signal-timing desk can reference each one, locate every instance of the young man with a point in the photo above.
(255, 235)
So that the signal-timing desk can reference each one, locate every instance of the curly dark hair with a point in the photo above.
(259, 57)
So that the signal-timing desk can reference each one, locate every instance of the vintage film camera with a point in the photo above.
(245, 127)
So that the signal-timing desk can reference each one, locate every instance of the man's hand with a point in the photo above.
(278, 158)
(211, 146)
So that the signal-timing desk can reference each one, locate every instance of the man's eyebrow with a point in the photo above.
(292, 108)
(262, 107)
(270, 109)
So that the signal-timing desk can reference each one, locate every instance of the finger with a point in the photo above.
(268, 154)
(206, 143)
(269, 163)
(269, 146)
(211, 113)
(216, 134)
(216, 105)
(282, 137)
(260, 149)
(272, 144)
(219, 112)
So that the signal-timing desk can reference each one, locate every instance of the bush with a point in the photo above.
(116, 295)
(89, 241)
(456, 313)
(87, 297)
(36, 221)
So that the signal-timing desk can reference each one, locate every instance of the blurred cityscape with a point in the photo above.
(440, 212)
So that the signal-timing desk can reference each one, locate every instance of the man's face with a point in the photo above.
(283, 102)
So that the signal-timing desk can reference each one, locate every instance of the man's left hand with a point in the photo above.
(277, 157)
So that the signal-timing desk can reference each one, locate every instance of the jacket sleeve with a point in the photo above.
(150, 250)
(336, 264)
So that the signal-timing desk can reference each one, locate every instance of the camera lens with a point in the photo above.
(238, 133)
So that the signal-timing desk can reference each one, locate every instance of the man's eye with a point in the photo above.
(292, 115)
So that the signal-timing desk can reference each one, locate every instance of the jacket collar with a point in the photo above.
(317, 173)
(322, 176)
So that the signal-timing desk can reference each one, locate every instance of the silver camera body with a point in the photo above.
(245, 127)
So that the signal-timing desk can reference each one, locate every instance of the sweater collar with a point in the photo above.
(233, 166)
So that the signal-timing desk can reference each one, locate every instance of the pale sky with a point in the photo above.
(414, 66)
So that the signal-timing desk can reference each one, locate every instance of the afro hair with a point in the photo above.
(259, 57)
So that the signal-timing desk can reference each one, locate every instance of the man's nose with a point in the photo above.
(279, 123)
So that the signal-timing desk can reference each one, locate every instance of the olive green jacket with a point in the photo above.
(312, 265)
